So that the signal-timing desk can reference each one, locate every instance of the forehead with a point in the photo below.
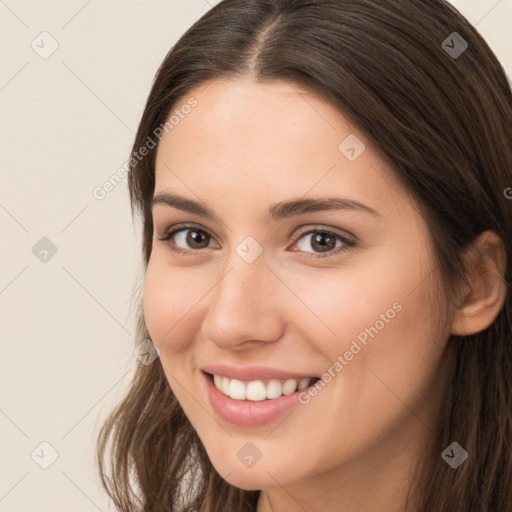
(270, 139)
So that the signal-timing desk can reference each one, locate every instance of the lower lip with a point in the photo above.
(248, 412)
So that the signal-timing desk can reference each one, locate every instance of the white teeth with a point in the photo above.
(289, 387)
(274, 389)
(256, 390)
(237, 390)
(303, 383)
(225, 387)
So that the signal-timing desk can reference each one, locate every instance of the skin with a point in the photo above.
(352, 447)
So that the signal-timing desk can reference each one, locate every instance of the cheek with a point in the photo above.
(168, 307)
(377, 317)
(342, 304)
(390, 354)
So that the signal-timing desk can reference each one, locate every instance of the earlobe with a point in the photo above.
(481, 303)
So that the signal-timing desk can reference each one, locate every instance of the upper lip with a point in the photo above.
(249, 373)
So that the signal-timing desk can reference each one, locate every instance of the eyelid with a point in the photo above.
(176, 228)
(349, 242)
(301, 230)
(308, 228)
(348, 239)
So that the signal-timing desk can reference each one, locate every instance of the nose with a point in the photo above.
(244, 306)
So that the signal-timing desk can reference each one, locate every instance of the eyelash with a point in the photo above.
(348, 243)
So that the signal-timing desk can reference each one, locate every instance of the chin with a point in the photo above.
(250, 479)
(261, 475)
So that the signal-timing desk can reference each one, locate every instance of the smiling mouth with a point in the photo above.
(259, 390)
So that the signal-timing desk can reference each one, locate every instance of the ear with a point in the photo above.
(481, 303)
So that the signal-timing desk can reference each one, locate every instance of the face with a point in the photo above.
(257, 291)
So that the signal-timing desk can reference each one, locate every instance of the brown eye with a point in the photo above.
(187, 238)
(195, 238)
(324, 243)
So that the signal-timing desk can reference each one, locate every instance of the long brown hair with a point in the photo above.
(444, 121)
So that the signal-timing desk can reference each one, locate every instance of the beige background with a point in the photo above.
(67, 124)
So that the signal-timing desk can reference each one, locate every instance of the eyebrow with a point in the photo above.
(276, 212)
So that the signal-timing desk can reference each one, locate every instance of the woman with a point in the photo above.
(327, 252)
